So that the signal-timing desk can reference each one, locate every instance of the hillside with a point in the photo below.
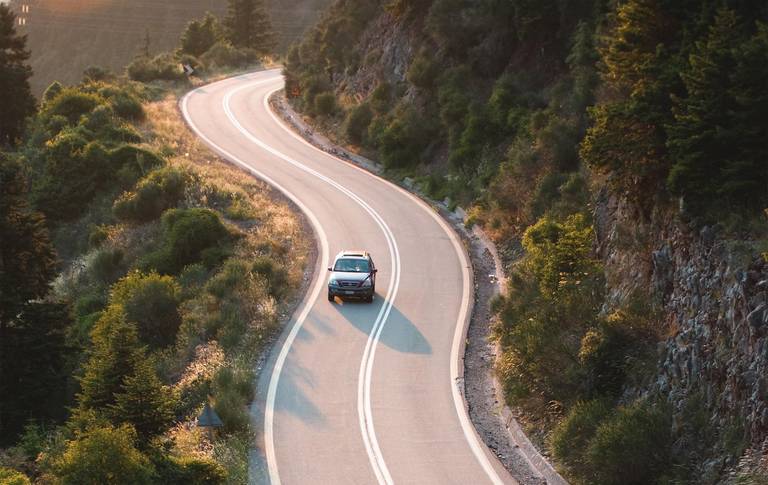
(616, 153)
(67, 36)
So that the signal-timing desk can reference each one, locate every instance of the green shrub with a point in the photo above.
(72, 103)
(325, 103)
(187, 470)
(97, 236)
(151, 302)
(97, 73)
(554, 298)
(200, 35)
(224, 54)
(163, 67)
(160, 190)
(9, 476)
(228, 279)
(357, 122)
(232, 410)
(571, 436)
(127, 106)
(423, 71)
(188, 234)
(107, 265)
(404, 139)
(630, 447)
(131, 163)
(104, 455)
(381, 98)
(53, 90)
(276, 277)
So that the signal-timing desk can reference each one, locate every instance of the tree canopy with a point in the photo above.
(15, 94)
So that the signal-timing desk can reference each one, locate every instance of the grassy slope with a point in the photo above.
(67, 36)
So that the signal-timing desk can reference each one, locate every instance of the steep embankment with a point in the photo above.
(616, 153)
(66, 37)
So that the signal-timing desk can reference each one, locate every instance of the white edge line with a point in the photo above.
(365, 414)
(462, 324)
(308, 301)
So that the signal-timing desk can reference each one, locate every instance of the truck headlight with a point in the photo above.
(333, 282)
(366, 283)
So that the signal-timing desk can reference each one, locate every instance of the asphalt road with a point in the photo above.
(353, 392)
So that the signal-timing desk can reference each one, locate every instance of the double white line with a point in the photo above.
(366, 365)
(365, 414)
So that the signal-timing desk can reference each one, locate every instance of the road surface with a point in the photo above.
(355, 393)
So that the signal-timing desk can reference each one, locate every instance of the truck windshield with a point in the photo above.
(352, 266)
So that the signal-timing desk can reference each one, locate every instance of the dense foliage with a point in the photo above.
(28, 325)
(139, 280)
(527, 111)
(15, 95)
(248, 26)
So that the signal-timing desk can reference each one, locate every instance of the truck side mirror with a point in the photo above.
(330, 269)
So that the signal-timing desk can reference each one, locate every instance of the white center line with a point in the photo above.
(365, 413)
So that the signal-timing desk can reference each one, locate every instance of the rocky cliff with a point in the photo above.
(713, 290)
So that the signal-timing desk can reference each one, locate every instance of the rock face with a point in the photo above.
(714, 295)
(388, 48)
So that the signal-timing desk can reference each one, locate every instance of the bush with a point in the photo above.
(404, 139)
(160, 190)
(232, 410)
(630, 447)
(325, 103)
(423, 71)
(107, 265)
(224, 54)
(193, 471)
(137, 160)
(163, 67)
(72, 103)
(52, 91)
(127, 106)
(12, 477)
(97, 236)
(381, 98)
(200, 35)
(152, 303)
(104, 455)
(572, 435)
(97, 73)
(554, 298)
(188, 235)
(276, 277)
(357, 122)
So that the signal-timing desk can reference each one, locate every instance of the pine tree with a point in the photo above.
(120, 383)
(629, 51)
(200, 35)
(626, 137)
(248, 25)
(144, 402)
(116, 354)
(27, 326)
(744, 173)
(15, 95)
(702, 134)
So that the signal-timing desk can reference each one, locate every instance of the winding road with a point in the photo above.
(353, 392)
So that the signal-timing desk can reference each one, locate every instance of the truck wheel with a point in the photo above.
(369, 298)
(330, 296)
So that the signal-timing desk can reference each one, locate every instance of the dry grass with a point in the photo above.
(270, 217)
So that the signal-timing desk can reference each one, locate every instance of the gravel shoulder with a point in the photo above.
(493, 420)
